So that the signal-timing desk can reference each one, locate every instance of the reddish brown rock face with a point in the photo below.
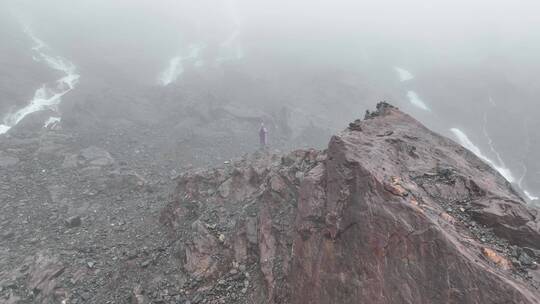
(390, 213)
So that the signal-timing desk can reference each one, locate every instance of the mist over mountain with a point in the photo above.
(141, 91)
(474, 64)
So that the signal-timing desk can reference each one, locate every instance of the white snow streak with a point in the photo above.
(48, 96)
(467, 143)
(416, 101)
(403, 74)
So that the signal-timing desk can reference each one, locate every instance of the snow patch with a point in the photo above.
(49, 95)
(173, 70)
(499, 165)
(416, 101)
(490, 142)
(4, 128)
(176, 65)
(51, 122)
(229, 49)
(530, 196)
(467, 143)
(403, 74)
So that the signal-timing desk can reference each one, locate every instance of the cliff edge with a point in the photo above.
(390, 212)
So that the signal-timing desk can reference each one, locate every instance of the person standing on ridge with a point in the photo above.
(263, 136)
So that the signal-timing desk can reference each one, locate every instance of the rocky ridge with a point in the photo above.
(390, 213)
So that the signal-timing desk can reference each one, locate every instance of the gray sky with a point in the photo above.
(420, 19)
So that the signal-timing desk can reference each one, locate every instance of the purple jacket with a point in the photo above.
(263, 138)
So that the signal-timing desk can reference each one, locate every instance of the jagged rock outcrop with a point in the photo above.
(390, 213)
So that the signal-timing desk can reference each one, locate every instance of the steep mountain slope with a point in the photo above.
(390, 213)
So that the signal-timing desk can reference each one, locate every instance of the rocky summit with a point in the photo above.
(390, 212)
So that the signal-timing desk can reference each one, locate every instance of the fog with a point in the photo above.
(439, 33)
(467, 69)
